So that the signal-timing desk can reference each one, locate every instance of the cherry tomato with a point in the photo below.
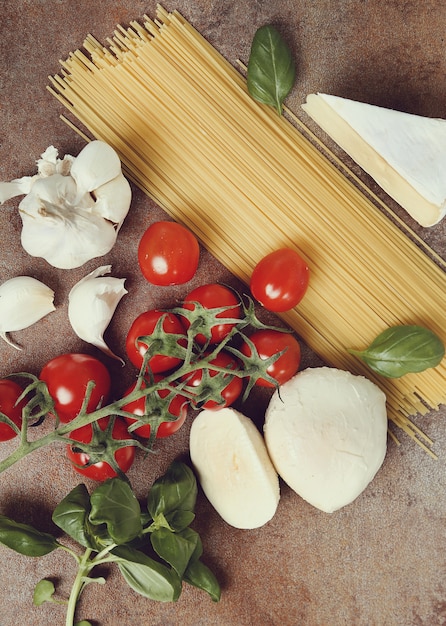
(229, 393)
(214, 296)
(101, 470)
(67, 377)
(270, 342)
(177, 407)
(144, 325)
(10, 392)
(168, 254)
(279, 281)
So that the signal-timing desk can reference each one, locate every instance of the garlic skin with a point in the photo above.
(91, 305)
(73, 207)
(23, 301)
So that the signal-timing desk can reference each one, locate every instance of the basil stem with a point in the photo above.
(271, 69)
(401, 350)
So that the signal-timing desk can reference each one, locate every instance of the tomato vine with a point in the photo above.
(194, 356)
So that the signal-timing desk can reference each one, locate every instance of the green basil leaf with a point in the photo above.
(71, 515)
(401, 350)
(198, 547)
(200, 576)
(271, 69)
(113, 503)
(25, 539)
(84, 622)
(176, 490)
(43, 592)
(146, 576)
(179, 520)
(175, 548)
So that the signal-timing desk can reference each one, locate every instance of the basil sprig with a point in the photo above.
(271, 68)
(401, 350)
(154, 547)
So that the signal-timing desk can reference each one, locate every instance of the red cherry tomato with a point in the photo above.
(144, 325)
(67, 377)
(177, 407)
(270, 342)
(101, 470)
(10, 392)
(229, 393)
(279, 281)
(168, 254)
(213, 296)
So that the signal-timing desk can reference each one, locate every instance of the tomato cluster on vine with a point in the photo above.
(209, 352)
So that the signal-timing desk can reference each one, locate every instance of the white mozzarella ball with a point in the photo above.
(233, 467)
(326, 433)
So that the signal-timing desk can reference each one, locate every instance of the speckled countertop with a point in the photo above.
(380, 561)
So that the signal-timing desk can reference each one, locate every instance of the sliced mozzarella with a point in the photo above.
(404, 153)
(326, 433)
(233, 467)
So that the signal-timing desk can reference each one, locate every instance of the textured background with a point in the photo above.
(378, 562)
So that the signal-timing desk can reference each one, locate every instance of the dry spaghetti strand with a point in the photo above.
(247, 181)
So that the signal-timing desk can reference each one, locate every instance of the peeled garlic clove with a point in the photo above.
(95, 165)
(23, 301)
(91, 305)
(113, 200)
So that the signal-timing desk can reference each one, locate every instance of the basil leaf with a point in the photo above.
(179, 520)
(25, 539)
(147, 577)
(43, 592)
(198, 548)
(271, 69)
(175, 548)
(401, 350)
(199, 575)
(71, 515)
(176, 490)
(113, 503)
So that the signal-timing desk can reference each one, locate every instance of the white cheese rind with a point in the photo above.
(404, 153)
(233, 467)
(326, 433)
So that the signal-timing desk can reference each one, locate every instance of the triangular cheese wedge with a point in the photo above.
(404, 153)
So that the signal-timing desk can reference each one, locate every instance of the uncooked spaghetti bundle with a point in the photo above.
(247, 181)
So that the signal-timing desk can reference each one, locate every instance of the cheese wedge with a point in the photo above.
(404, 153)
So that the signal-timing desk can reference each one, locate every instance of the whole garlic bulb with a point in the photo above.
(73, 208)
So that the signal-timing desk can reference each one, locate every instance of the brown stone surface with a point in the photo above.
(380, 561)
